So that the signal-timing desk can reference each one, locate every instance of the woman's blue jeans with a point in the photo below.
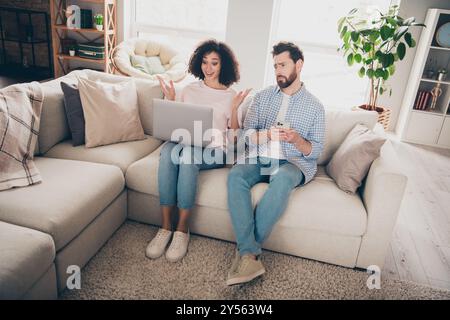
(179, 166)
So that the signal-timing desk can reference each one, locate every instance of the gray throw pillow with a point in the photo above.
(352, 160)
(74, 113)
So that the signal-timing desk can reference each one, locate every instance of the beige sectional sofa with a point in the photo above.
(86, 195)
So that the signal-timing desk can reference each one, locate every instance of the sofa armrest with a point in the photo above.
(382, 195)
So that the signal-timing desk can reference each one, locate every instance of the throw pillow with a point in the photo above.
(352, 160)
(20, 112)
(150, 65)
(74, 113)
(110, 111)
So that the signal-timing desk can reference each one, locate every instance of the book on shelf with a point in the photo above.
(422, 100)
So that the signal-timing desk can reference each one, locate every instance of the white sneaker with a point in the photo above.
(178, 247)
(156, 247)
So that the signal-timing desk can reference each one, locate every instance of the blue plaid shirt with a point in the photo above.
(305, 114)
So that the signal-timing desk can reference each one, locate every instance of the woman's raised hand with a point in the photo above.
(168, 90)
(238, 98)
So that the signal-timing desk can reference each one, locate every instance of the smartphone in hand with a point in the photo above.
(283, 125)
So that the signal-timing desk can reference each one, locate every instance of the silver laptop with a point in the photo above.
(180, 122)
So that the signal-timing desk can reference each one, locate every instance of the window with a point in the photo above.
(313, 26)
(184, 22)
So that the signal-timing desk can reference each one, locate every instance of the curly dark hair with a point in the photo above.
(294, 51)
(229, 71)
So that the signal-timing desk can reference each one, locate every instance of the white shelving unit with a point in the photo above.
(429, 126)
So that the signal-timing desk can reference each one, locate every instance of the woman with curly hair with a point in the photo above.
(215, 66)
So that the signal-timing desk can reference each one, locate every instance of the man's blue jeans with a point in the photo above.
(179, 166)
(252, 229)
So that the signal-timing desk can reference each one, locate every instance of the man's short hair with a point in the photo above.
(294, 51)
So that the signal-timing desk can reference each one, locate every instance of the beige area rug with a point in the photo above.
(120, 270)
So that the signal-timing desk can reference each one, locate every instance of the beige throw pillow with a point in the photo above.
(111, 112)
(352, 160)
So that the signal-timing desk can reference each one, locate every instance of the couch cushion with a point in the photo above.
(338, 124)
(25, 255)
(119, 154)
(71, 195)
(111, 112)
(341, 213)
(74, 113)
(147, 90)
(352, 160)
(54, 127)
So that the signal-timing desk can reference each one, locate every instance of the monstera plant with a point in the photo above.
(376, 41)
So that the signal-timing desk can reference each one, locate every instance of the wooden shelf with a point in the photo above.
(440, 48)
(91, 30)
(67, 57)
(107, 37)
(435, 111)
(434, 81)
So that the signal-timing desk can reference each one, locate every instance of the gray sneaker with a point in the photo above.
(235, 263)
(178, 247)
(157, 246)
(247, 270)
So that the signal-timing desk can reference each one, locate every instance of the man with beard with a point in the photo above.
(286, 125)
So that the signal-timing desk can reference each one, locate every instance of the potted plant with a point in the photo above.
(376, 42)
(98, 19)
(72, 51)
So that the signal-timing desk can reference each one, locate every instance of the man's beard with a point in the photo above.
(288, 81)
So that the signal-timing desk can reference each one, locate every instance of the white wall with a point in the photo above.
(248, 34)
(123, 20)
(399, 81)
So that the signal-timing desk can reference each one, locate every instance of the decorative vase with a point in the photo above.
(384, 114)
(72, 53)
(99, 27)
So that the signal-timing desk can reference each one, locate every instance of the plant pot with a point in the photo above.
(384, 114)
(99, 27)
(72, 53)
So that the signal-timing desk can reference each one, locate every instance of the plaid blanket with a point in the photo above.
(20, 111)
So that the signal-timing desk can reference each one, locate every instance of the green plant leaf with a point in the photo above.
(340, 24)
(343, 32)
(374, 35)
(408, 39)
(386, 32)
(391, 69)
(352, 11)
(361, 72)
(357, 57)
(400, 32)
(367, 46)
(415, 24)
(408, 21)
(379, 73)
(401, 50)
(388, 60)
(355, 36)
(385, 75)
(368, 61)
(392, 21)
(350, 59)
(413, 43)
(347, 36)
(370, 73)
(381, 90)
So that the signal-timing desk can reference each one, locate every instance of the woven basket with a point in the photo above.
(384, 114)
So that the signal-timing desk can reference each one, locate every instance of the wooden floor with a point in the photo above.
(420, 249)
